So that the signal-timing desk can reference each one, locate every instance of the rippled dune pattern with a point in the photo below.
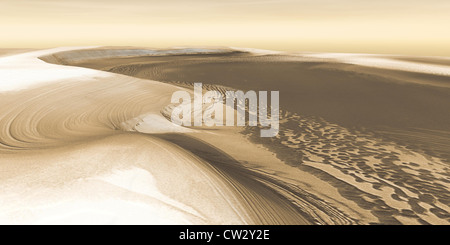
(396, 184)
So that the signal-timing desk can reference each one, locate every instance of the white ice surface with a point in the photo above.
(26, 70)
(376, 61)
(75, 203)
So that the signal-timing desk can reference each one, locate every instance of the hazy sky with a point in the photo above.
(395, 26)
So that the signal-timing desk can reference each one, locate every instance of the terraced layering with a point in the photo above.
(86, 137)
